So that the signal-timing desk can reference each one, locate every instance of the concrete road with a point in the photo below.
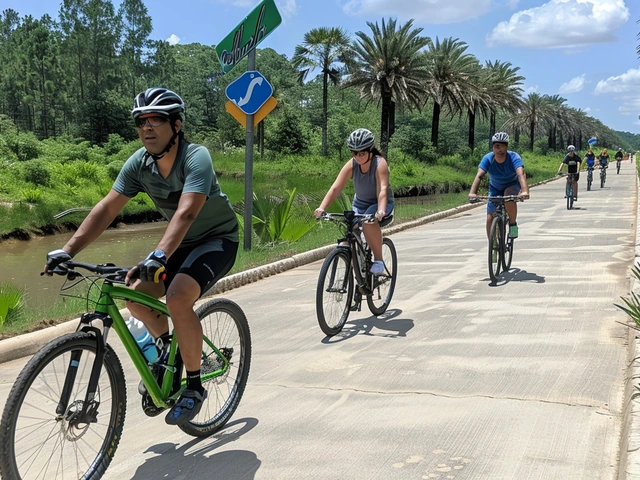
(459, 380)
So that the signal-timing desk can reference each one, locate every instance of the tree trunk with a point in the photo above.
(384, 123)
(517, 136)
(472, 127)
(435, 124)
(492, 127)
(392, 119)
(532, 131)
(325, 98)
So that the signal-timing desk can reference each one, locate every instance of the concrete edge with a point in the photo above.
(629, 465)
(29, 343)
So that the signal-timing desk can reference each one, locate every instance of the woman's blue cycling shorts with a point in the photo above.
(372, 209)
(513, 189)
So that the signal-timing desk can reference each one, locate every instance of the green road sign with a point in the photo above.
(250, 32)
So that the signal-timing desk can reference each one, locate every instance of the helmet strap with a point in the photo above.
(172, 142)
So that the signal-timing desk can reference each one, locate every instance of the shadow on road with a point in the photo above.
(192, 460)
(375, 326)
(517, 275)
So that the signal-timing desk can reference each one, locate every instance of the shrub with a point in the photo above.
(24, 145)
(31, 195)
(113, 169)
(36, 172)
(11, 302)
(114, 144)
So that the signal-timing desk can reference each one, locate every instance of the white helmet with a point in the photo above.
(571, 148)
(158, 100)
(500, 137)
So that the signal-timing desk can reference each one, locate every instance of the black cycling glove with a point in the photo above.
(153, 268)
(55, 258)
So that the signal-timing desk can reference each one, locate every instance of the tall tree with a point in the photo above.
(323, 48)
(136, 28)
(451, 76)
(389, 66)
(535, 113)
(505, 91)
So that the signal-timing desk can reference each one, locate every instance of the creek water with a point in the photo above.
(22, 261)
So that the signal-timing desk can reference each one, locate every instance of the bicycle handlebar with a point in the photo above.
(498, 198)
(107, 270)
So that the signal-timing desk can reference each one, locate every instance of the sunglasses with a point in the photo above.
(360, 153)
(152, 121)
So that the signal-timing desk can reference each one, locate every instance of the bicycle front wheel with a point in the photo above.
(589, 181)
(569, 192)
(334, 291)
(508, 251)
(618, 169)
(225, 368)
(40, 437)
(495, 247)
(385, 284)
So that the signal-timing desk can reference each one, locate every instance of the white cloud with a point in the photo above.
(586, 110)
(562, 24)
(574, 85)
(628, 82)
(528, 90)
(173, 39)
(422, 11)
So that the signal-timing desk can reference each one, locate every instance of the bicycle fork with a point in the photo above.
(89, 408)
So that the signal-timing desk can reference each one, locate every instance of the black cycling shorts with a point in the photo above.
(206, 263)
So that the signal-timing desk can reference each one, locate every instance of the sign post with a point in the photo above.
(248, 169)
(241, 42)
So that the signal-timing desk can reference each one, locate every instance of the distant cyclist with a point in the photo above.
(619, 155)
(603, 158)
(506, 177)
(590, 159)
(573, 161)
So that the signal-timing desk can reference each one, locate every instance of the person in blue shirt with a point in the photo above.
(506, 177)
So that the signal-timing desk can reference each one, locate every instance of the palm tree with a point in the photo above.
(478, 100)
(559, 118)
(506, 91)
(322, 48)
(451, 76)
(389, 67)
(535, 113)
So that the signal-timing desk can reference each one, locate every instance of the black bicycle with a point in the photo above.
(589, 176)
(353, 258)
(568, 190)
(618, 162)
(64, 416)
(603, 175)
(500, 242)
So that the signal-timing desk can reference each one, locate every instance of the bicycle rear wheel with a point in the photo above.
(618, 168)
(384, 284)
(495, 247)
(569, 196)
(589, 181)
(225, 326)
(38, 443)
(603, 177)
(334, 291)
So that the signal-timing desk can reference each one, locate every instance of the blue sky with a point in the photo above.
(583, 50)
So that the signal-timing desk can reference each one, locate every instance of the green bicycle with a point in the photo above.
(65, 413)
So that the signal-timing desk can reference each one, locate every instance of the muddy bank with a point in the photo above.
(64, 227)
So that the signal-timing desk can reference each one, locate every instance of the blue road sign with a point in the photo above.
(592, 141)
(249, 91)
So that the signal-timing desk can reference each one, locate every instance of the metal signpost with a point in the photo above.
(249, 92)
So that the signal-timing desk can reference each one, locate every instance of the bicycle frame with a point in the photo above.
(107, 311)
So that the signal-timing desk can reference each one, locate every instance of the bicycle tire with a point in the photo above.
(589, 181)
(507, 256)
(227, 395)
(495, 249)
(332, 301)
(71, 437)
(390, 257)
(602, 178)
(617, 169)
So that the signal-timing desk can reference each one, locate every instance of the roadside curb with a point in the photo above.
(29, 343)
(629, 466)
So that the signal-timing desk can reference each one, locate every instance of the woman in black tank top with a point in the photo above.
(370, 173)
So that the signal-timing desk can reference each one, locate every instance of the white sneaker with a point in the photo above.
(377, 268)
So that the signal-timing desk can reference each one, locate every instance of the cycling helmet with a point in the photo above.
(360, 139)
(158, 100)
(500, 137)
(571, 148)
